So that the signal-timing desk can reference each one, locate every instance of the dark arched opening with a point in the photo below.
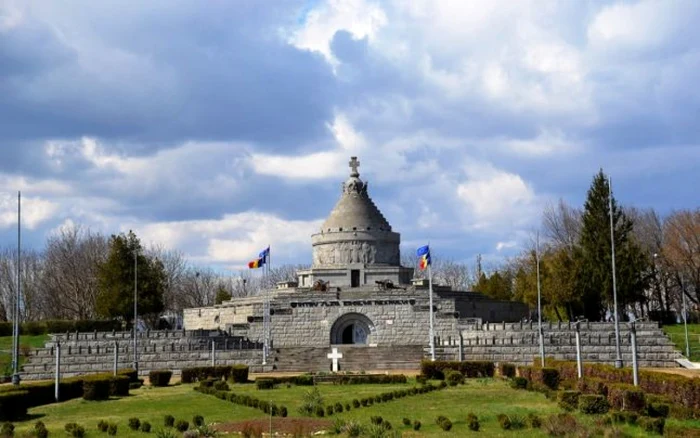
(352, 328)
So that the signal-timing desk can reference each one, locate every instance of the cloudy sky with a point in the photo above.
(218, 127)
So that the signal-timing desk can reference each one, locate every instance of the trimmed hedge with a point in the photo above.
(453, 378)
(506, 370)
(265, 383)
(569, 400)
(626, 398)
(593, 404)
(470, 369)
(97, 387)
(160, 378)
(236, 373)
(119, 385)
(549, 377)
(35, 328)
(131, 373)
(13, 405)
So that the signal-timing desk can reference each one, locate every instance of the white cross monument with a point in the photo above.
(335, 355)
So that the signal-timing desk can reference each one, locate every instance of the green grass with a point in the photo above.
(6, 350)
(677, 335)
(484, 397)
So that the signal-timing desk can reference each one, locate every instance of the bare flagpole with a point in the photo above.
(618, 354)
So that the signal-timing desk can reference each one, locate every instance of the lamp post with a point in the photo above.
(579, 358)
(16, 310)
(136, 311)
(633, 340)
(539, 300)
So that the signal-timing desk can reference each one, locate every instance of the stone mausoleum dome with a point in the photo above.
(355, 244)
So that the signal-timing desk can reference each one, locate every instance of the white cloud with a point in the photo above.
(35, 211)
(361, 18)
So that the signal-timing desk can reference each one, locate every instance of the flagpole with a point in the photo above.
(618, 354)
(15, 346)
(432, 329)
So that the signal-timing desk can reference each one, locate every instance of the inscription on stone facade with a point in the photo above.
(352, 303)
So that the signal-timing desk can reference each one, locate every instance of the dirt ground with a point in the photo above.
(680, 371)
(282, 426)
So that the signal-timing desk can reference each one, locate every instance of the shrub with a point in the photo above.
(568, 400)
(549, 377)
(517, 422)
(473, 422)
(453, 377)
(355, 403)
(347, 407)
(146, 427)
(376, 419)
(444, 423)
(165, 433)
(235, 373)
(169, 421)
(197, 421)
(283, 411)
(590, 385)
(40, 430)
(119, 386)
(75, 430)
(102, 426)
(560, 425)
(504, 421)
(160, 378)
(7, 430)
(190, 434)
(653, 425)
(593, 404)
(518, 383)
(421, 379)
(265, 383)
(220, 385)
(470, 369)
(134, 423)
(320, 412)
(506, 370)
(338, 408)
(112, 429)
(406, 421)
(626, 398)
(182, 425)
(97, 387)
(534, 421)
(329, 410)
(416, 425)
(312, 400)
(657, 410)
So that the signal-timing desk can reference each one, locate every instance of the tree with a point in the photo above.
(222, 294)
(498, 285)
(594, 278)
(681, 254)
(115, 279)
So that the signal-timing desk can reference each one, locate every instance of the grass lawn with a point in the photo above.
(484, 397)
(6, 350)
(677, 335)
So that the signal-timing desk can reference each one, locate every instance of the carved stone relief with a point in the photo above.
(355, 252)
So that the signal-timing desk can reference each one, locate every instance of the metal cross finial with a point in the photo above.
(354, 164)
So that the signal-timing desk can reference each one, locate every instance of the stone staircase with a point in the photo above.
(355, 358)
(519, 343)
(83, 353)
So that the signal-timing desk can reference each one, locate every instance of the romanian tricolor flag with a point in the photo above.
(423, 254)
(264, 253)
(255, 264)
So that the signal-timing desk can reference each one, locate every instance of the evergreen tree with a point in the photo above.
(498, 285)
(593, 260)
(222, 295)
(115, 279)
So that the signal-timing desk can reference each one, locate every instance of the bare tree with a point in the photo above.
(176, 268)
(31, 273)
(69, 282)
(562, 224)
(681, 253)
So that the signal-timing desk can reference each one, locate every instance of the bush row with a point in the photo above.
(245, 400)
(236, 373)
(677, 389)
(549, 377)
(35, 328)
(382, 398)
(470, 369)
(160, 378)
(14, 401)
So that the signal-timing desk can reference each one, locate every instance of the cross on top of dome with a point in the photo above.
(354, 164)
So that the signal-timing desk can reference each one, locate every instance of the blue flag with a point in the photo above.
(423, 250)
(264, 253)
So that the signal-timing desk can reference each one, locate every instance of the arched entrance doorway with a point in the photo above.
(352, 328)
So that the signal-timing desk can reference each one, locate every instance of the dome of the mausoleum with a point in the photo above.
(355, 232)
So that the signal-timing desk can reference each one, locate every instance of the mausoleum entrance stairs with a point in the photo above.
(355, 358)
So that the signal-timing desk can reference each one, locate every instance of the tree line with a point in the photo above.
(81, 274)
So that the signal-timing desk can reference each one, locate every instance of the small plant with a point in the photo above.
(134, 423)
(182, 425)
(416, 425)
(146, 427)
(347, 407)
(75, 430)
(329, 410)
(454, 377)
(473, 422)
(534, 421)
(197, 421)
(355, 403)
(166, 433)
(338, 408)
(518, 383)
(375, 419)
(353, 429)
(421, 379)
(169, 421)
(653, 425)
(320, 412)
(112, 429)
(338, 426)
(560, 425)
(220, 385)
(568, 400)
(406, 421)
(7, 430)
(504, 421)
(517, 422)
(206, 431)
(593, 404)
(190, 434)
(444, 423)
(40, 430)
(102, 426)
